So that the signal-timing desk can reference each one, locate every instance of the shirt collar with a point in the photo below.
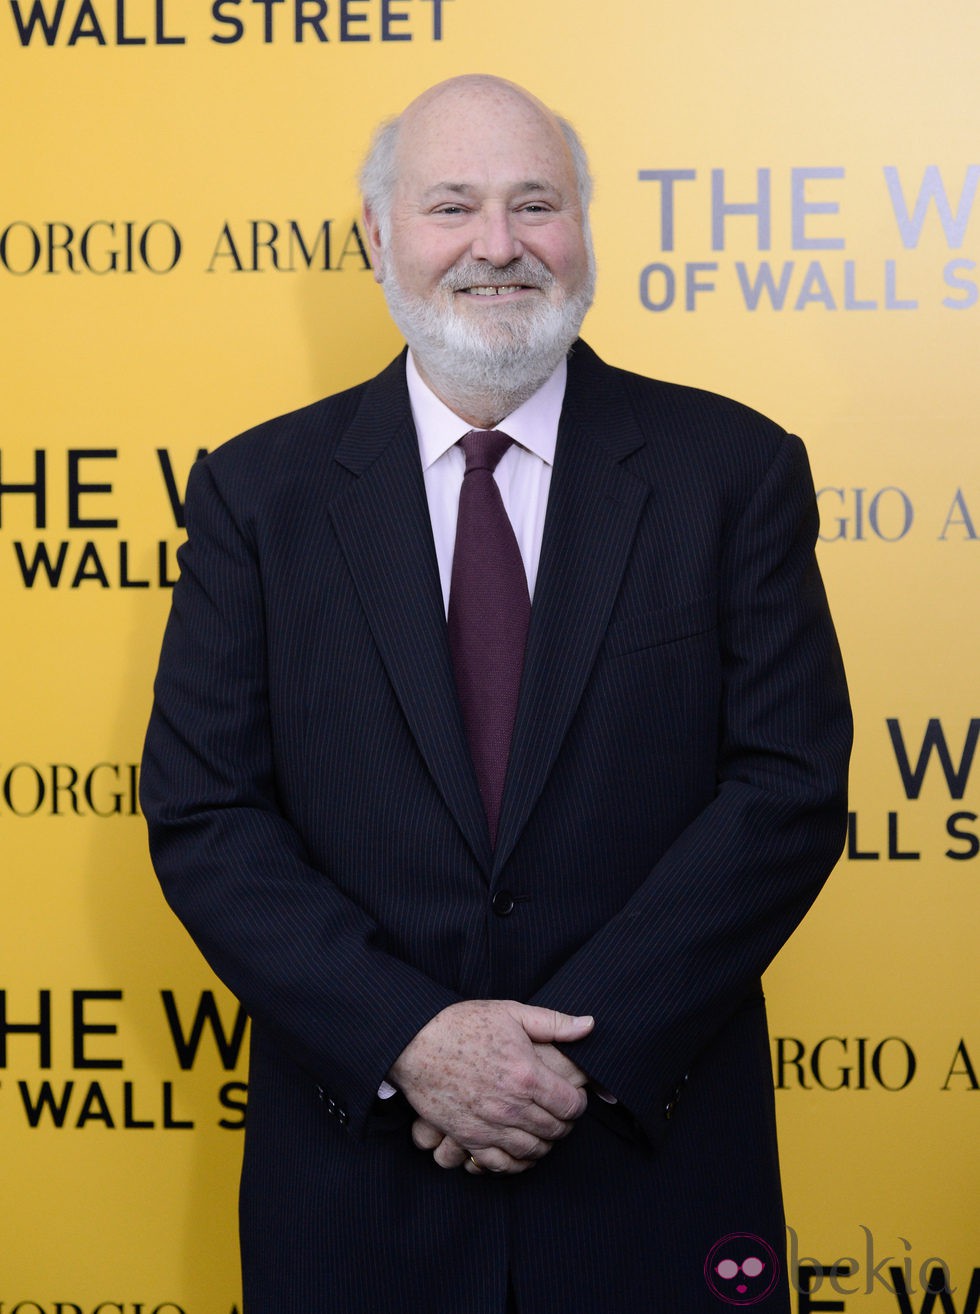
(533, 425)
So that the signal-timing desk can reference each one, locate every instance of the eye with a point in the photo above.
(727, 1268)
(752, 1267)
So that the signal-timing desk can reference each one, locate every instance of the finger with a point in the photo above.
(561, 1065)
(425, 1136)
(518, 1127)
(496, 1161)
(556, 1096)
(513, 1144)
(547, 1024)
(538, 1103)
(448, 1154)
(521, 1110)
(516, 1166)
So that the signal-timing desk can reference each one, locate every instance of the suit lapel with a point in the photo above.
(593, 510)
(382, 523)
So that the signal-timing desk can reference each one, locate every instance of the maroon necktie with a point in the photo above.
(489, 611)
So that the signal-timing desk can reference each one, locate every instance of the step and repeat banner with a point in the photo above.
(788, 211)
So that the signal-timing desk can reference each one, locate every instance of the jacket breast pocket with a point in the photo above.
(638, 630)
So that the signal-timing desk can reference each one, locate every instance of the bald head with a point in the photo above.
(436, 109)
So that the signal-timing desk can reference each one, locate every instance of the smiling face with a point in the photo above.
(483, 253)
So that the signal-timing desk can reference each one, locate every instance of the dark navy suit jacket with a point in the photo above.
(675, 798)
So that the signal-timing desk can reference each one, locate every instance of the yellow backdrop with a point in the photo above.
(788, 210)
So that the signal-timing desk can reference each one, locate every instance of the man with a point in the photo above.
(500, 921)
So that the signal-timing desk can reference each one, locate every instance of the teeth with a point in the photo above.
(490, 291)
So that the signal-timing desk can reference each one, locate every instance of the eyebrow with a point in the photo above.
(467, 189)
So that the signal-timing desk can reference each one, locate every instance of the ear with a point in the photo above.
(372, 230)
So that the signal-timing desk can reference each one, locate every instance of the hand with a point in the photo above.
(486, 1081)
(448, 1154)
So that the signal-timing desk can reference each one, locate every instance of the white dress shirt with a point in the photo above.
(523, 474)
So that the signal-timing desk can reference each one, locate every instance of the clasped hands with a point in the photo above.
(491, 1091)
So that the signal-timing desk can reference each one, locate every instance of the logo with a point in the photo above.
(741, 1269)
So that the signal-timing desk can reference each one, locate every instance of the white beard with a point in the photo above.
(489, 369)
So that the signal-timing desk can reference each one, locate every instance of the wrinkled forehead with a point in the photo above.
(481, 134)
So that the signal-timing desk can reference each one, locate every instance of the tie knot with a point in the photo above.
(483, 448)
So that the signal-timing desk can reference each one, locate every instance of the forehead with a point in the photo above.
(482, 137)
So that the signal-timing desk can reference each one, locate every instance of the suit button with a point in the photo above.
(503, 903)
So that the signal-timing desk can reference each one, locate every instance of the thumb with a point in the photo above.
(544, 1025)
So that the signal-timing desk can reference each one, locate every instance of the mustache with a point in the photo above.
(526, 270)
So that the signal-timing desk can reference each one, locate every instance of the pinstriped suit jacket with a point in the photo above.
(675, 798)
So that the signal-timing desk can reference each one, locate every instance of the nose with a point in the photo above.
(496, 240)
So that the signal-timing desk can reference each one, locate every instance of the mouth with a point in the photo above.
(490, 290)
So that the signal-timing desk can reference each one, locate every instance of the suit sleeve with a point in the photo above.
(690, 945)
(301, 956)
